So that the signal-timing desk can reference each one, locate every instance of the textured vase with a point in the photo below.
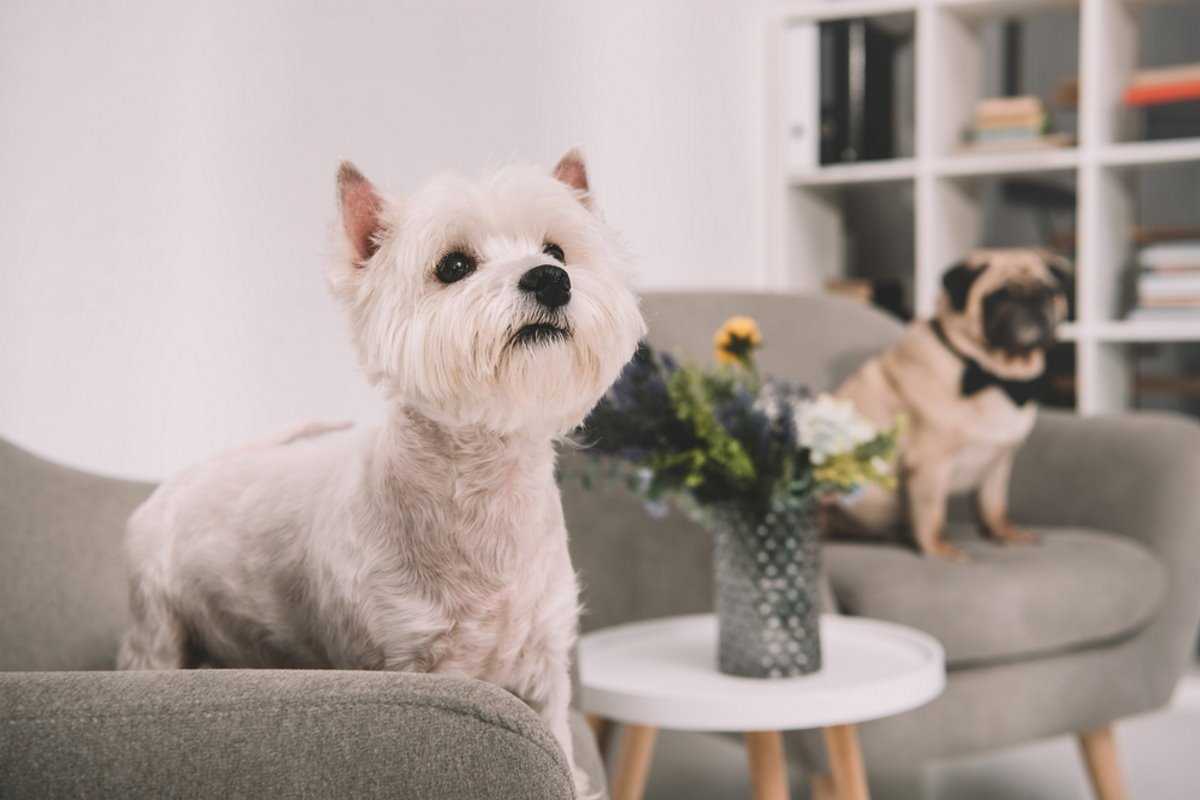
(768, 606)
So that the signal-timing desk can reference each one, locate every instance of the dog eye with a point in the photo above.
(555, 252)
(454, 266)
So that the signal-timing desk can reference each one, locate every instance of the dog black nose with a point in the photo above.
(551, 285)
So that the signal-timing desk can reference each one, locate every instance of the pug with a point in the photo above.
(965, 383)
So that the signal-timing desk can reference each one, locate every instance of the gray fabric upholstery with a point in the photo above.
(268, 733)
(1131, 480)
(216, 733)
(63, 588)
(1137, 475)
(1076, 588)
(1004, 705)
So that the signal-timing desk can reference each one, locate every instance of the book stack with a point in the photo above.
(1012, 123)
(1168, 281)
(1170, 99)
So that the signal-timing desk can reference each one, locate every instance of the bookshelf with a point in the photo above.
(808, 237)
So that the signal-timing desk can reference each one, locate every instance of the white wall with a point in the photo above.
(166, 186)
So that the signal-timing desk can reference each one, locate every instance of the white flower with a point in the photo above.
(829, 427)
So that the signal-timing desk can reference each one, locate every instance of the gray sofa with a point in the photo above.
(69, 727)
(1094, 624)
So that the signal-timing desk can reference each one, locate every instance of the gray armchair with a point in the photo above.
(1094, 624)
(70, 728)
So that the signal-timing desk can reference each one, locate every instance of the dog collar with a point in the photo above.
(975, 378)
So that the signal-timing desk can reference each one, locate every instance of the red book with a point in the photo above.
(1157, 95)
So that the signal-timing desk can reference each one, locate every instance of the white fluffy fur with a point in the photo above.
(436, 542)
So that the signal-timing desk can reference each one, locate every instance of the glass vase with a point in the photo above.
(768, 603)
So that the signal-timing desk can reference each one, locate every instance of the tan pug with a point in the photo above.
(965, 382)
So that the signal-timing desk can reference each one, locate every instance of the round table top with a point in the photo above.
(663, 673)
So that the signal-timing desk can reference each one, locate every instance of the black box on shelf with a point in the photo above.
(857, 92)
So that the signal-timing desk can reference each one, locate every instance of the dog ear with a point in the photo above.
(1064, 275)
(957, 282)
(1060, 268)
(362, 210)
(573, 172)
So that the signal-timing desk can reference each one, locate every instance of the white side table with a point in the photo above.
(662, 674)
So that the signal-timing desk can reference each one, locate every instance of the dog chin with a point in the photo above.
(536, 334)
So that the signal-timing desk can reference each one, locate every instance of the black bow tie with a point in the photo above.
(975, 378)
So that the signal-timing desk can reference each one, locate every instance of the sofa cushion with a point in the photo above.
(1074, 589)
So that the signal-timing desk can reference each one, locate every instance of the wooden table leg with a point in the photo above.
(633, 761)
(602, 732)
(768, 767)
(1100, 752)
(845, 762)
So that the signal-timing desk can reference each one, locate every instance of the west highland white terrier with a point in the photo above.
(494, 315)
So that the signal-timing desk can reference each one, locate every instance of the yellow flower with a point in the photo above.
(736, 340)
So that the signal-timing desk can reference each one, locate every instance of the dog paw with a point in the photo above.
(1010, 534)
(948, 552)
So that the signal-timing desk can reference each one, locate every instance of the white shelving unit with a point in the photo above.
(807, 232)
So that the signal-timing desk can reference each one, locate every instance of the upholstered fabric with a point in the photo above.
(1076, 588)
(269, 733)
(63, 591)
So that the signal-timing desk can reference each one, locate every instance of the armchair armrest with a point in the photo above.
(1137, 475)
(271, 733)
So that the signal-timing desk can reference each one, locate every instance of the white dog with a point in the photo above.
(494, 316)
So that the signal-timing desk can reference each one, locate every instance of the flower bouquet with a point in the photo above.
(752, 460)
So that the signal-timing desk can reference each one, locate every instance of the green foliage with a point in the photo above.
(723, 441)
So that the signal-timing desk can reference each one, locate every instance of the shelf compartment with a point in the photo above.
(970, 63)
(1139, 36)
(865, 172)
(833, 236)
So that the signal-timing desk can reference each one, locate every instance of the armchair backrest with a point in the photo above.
(63, 590)
(817, 340)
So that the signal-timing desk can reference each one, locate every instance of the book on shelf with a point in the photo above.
(1034, 122)
(1168, 281)
(1154, 87)
(1048, 141)
(1191, 301)
(1012, 123)
(1169, 285)
(1183, 254)
(1009, 106)
(1161, 76)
